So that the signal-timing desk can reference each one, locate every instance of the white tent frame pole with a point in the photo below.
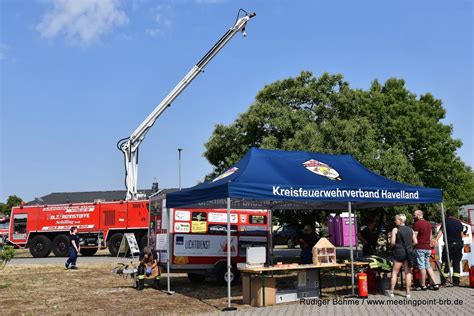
(445, 237)
(229, 264)
(270, 235)
(168, 257)
(349, 207)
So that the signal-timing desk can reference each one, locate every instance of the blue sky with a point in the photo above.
(76, 76)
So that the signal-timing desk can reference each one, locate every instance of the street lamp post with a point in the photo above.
(179, 167)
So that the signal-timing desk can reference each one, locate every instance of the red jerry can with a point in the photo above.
(362, 284)
(471, 276)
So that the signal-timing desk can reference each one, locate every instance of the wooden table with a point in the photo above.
(263, 272)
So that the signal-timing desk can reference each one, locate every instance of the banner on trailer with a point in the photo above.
(203, 245)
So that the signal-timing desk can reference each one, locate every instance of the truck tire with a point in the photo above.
(221, 274)
(40, 246)
(86, 252)
(114, 243)
(61, 245)
(196, 278)
(143, 242)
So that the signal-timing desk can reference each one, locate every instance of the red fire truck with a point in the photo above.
(4, 224)
(45, 228)
(199, 239)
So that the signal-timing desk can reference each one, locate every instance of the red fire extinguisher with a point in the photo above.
(362, 284)
(471, 276)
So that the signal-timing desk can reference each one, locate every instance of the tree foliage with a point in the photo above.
(6, 254)
(12, 201)
(387, 128)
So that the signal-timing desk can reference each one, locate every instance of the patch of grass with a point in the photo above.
(4, 286)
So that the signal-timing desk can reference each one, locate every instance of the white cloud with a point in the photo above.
(82, 20)
(162, 16)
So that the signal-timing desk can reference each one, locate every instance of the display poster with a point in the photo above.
(129, 242)
(221, 228)
(222, 218)
(203, 245)
(182, 227)
(199, 216)
(182, 215)
(198, 227)
(161, 242)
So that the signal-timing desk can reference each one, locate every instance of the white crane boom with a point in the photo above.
(129, 146)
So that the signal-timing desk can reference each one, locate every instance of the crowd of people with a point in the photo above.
(412, 248)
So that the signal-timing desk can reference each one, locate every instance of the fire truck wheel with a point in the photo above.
(221, 275)
(196, 278)
(61, 246)
(114, 243)
(40, 246)
(86, 252)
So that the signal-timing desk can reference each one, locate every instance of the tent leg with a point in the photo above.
(229, 263)
(168, 254)
(445, 236)
(270, 236)
(349, 206)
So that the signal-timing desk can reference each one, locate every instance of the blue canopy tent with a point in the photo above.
(275, 179)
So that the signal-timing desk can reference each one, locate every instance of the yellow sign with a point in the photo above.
(198, 227)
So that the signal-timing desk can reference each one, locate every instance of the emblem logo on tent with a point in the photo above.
(226, 174)
(322, 169)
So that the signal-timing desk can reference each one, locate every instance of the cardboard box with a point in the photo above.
(252, 290)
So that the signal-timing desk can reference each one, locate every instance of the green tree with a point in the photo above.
(12, 201)
(387, 128)
(6, 254)
(3, 207)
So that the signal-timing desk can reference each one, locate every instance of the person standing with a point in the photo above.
(369, 237)
(454, 230)
(74, 249)
(422, 229)
(307, 241)
(403, 239)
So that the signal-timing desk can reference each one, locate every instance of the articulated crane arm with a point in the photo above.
(129, 146)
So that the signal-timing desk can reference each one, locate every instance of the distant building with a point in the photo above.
(83, 197)
(88, 197)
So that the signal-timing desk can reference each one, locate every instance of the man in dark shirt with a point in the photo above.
(422, 229)
(454, 230)
(74, 249)
(307, 240)
(369, 237)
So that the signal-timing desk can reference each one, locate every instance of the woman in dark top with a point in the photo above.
(403, 239)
